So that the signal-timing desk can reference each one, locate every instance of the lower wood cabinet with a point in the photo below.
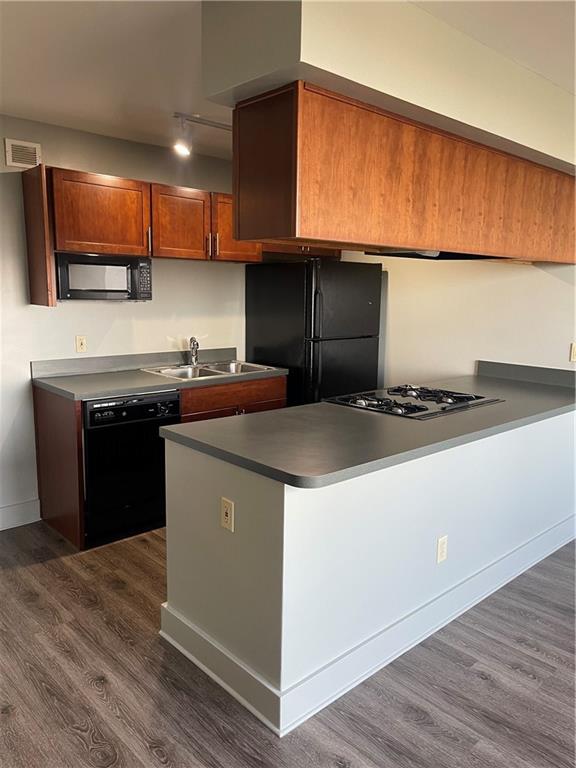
(204, 415)
(60, 445)
(60, 463)
(213, 402)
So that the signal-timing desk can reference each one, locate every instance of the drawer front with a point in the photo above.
(267, 405)
(204, 415)
(197, 399)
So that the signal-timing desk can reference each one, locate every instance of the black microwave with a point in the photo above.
(112, 278)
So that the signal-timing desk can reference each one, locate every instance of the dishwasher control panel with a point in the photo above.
(149, 407)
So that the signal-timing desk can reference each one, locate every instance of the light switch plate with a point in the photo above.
(227, 514)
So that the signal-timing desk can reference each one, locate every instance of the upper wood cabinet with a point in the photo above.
(225, 247)
(316, 167)
(180, 222)
(95, 213)
(296, 249)
(39, 237)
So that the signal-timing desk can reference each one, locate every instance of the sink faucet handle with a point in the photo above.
(194, 347)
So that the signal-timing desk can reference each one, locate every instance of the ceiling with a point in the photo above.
(122, 68)
(537, 35)
(116, 68)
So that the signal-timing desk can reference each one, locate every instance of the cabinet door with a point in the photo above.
(396, 183)
(100, 214)
(226, 248)
(180, 222)
(197, 400)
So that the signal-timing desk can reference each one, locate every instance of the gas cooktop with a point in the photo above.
(414, 402)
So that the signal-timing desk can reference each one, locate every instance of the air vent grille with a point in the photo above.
(22, 154)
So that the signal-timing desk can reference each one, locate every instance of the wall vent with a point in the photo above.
(22, 154)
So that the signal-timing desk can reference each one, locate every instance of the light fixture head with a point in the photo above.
(182, 148)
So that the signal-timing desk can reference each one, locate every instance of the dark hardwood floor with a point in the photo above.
(85, 680)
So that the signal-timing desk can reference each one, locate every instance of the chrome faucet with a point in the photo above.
(193, 350)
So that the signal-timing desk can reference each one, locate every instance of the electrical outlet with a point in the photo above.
(573, 352)
(227, 514)
(81, 344)
(442, 549)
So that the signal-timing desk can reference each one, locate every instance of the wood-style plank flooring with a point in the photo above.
(85, 680)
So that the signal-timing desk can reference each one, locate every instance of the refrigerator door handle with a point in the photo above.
(313, 369)
(318, 376)
(318, 313)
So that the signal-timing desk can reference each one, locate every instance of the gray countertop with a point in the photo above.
(311, 446)
(89, 386)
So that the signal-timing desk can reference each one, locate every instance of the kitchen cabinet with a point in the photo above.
(219, 413)
(89, 213)
(180, 222)
(60, 463)
(212, 402)
(95, 213)
(300, 250)
(194, 224)
(61, 446)
(225, 247)
(39, 237)
(315, 167)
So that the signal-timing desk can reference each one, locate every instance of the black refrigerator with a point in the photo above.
(318, 318)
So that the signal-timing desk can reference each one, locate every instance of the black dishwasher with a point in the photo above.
(124, 472)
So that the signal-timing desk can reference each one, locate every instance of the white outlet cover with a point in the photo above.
(442, 549)
(227, 514)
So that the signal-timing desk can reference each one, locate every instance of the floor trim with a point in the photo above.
(23, 513)
(282, 711)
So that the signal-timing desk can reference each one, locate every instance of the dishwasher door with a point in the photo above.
(124, 479)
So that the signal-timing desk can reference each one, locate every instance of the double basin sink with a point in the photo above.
(207, 370)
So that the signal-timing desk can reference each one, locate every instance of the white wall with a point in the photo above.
(442, 316)
(206, 300)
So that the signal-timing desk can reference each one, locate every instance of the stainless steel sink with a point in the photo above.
(235, 366)
(185, 372)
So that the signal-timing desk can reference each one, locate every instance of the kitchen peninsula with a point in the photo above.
(353, 535)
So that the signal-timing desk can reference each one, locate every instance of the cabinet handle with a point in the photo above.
(209, 245)
(217, 245)
(149, 236)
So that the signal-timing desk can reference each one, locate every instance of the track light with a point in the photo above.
(183, 146)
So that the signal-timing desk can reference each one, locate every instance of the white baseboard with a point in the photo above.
(19, 514)
(284, 710)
